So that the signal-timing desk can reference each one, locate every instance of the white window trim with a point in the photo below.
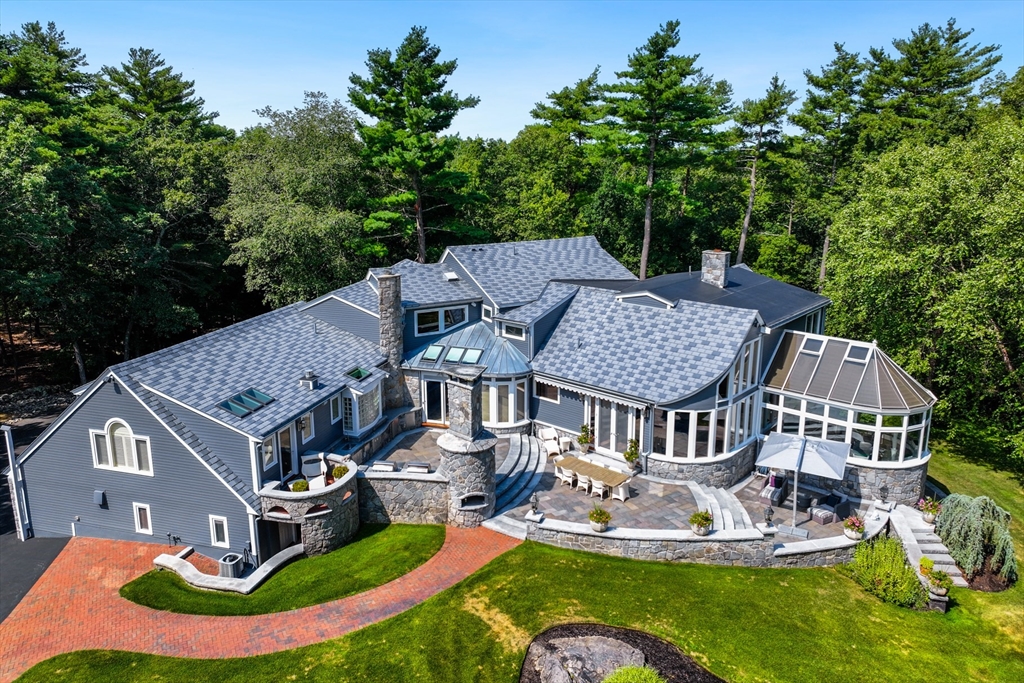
(312, 428)
(506, 333)
(492, 398)
(330, 406)
(213, 533)
(487, 313)
(105, 433)
(149, 518)
(357, 428)
(558, 394)
(273, 452)
(441, 327)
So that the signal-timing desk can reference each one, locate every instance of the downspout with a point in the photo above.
(16, 483)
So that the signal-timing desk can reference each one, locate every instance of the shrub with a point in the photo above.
(941, 579)
(927, 565)
(880, 567)
(634, 674)
(976, 528)
(300, 485)
(584, 437)
(632, 452)
(339, 471)
(599, 515)
(701, 518)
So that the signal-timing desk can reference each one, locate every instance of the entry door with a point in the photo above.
(284, 440)
(433, 401)
(613, 422)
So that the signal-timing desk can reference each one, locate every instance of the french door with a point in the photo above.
(614, 425)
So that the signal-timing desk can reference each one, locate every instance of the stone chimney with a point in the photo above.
(392, 329)
(714, 267)
(467, 451)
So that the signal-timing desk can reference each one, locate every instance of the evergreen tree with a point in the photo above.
(574, 110)
(406, 94)
(760, 128)
(146, 86)
(662, 106)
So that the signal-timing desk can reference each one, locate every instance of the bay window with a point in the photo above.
(503, 401)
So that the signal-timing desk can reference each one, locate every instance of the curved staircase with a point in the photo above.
(519, 473)
(726, 510)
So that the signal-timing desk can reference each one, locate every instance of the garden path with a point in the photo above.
(75, 605)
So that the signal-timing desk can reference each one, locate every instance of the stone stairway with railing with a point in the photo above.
(727, 512)
(920, 540)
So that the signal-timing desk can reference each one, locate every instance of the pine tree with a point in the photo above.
(146, 86)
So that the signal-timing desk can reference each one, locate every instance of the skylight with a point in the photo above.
(812, 345)
(358, 373)
(858, 353)
(433, 352)
(472, 356)
(454, 354)
(246, 402)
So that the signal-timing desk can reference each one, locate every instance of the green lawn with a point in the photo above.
(744, 624)
(379, 553)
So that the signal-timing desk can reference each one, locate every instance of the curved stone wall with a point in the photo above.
(905, 484)
(327, 517)
(469, 467)
(717, 473)
(387, 497)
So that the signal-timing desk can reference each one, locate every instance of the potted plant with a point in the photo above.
(929, 508)
(599, 518)
(927, 565)
(339, 471)
(300, 485)
(632, 453)
(585, 438)
(700, 522)
(853, 527)
(940, 582)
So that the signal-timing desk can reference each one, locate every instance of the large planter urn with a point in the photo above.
(700, 530)
(929, 517)
(599, 526)
(853, 535)
(941, 592)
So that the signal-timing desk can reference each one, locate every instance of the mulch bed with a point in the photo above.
(987, 580)
(666, 658)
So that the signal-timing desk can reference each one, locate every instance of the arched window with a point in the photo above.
(118, 448)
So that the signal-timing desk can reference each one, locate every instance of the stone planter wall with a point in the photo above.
(906, 485)
(386, 497)
(324, 529)
(716, 473)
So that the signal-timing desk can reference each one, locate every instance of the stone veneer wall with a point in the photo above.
(326, 530)
(526, 428)
(717, 473)
(469, 468)
(386, 497)
(906, 484)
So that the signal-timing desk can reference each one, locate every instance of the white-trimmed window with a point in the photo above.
(307, 430)
(503, 401)
(268, 454)
(487, 313)
(545, 392)
(440, 320)
(360, 411)
(335, 408)
(513, 331)
(219, 532)
(347, 412)
(143, 520)
(369, 407)
(117, 448)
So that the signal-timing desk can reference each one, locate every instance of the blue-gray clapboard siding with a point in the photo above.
(348, 318)
(457, 268)
(60, 479)
(412, 342)
(521, 345)
(324, 433)
(567, 413)
(230, 446)
(545, 325)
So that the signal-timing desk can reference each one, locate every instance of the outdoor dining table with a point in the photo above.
(611, 478)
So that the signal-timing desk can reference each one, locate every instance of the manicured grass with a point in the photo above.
(743, 624)
(379, 553)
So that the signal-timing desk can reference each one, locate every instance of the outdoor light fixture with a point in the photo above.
(883, 491)
(768, 513)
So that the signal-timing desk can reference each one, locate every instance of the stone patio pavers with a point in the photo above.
(422, 447)
(75, 606)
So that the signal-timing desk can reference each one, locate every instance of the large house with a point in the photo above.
(180, 445)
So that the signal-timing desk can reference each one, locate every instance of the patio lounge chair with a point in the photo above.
(597, 488)
(550, 438)
(582, 482)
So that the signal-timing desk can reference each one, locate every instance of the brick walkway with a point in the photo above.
(76, 606)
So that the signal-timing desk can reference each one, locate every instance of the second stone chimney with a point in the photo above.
(714, 267)
(392, 329)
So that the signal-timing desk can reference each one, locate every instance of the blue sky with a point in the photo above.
(245, 55)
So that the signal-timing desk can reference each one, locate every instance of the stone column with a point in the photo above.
(392, 328)
(714, 267)
(467, 451)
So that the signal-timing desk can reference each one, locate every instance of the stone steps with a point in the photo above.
(523, 478)
(726, 510)
(506, 525)
(920, 540)
(513, 464)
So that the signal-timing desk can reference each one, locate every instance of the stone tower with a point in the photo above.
(467, 451)
(392, 329)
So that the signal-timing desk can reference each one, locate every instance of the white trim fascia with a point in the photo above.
(72, 409)
(255, 464)
(325, 297)
(583, 389)
(254, 540)
(194, 410)
(371, 280)
(213, 536)
(182, 442)
(668, 303)
(525, 327)
(494, 304)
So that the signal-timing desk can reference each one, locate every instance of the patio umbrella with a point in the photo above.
(803, 454)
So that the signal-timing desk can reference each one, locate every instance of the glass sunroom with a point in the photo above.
(847, 391)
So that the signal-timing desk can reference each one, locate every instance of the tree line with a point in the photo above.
(131, 219)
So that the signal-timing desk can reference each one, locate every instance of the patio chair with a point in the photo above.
(598, 488)
(565, 476)
(621, 492)
(550, 438)
(582, 482)
(557, 459)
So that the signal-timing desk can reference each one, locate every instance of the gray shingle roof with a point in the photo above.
(515, 273)
(424, 284)
(554, 293)
(361, 294)
(499, 355)
(653, 354)
(269, 352)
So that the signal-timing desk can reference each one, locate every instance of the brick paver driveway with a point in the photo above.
(76, 606)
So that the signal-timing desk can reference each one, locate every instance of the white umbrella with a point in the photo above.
(803, 454)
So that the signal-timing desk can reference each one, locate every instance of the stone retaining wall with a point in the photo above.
(717, 473)
(386, 497)
(906, 484)
(328, 517)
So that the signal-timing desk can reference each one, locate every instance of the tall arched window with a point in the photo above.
(117, 448)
